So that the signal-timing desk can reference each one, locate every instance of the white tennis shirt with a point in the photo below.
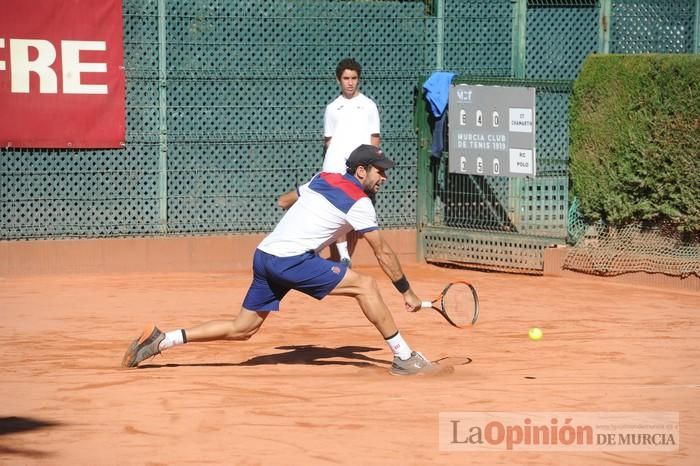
(349, 123)
(329, 205)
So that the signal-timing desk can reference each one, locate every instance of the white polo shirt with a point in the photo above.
(329, 205)
(349, 123)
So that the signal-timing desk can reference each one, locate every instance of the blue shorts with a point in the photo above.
(274, 276)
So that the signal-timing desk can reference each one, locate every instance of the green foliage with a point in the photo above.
(635, 140)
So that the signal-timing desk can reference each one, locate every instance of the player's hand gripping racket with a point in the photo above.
(458, 303)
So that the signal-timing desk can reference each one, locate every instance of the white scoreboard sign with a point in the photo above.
(492, 130)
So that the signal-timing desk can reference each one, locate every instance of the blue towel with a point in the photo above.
(438, 143)
(437, 91)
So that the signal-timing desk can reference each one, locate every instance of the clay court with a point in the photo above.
(313, 388)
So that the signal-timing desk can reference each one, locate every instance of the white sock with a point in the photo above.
(174, 338)
(343, 250)
(399, 346)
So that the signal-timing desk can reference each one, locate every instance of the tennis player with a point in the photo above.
(331, 204)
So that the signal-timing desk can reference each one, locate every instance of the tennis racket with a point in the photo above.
(458, 303)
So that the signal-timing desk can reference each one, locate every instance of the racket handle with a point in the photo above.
(425, 304)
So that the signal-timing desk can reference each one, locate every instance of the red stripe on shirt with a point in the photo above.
(348, 187)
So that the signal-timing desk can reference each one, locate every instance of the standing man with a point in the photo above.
(329, 205)
(352, 119)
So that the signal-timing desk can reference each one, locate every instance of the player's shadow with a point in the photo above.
(318, 356)
(14, 424)
(301, 354)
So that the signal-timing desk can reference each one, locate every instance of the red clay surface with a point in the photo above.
(312, 387)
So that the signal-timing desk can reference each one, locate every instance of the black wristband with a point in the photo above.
(402, 284)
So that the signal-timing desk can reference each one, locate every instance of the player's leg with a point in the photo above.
(263, 296)
(153, 341)
(365, 290)
(243, 327)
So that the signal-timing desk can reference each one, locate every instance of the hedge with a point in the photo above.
(635, 140)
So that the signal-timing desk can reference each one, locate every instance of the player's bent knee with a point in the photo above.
(356, 285)
(242, 334)
(248, 334)
(368, 285)
(247, 324)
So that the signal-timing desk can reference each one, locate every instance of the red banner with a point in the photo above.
(61, 74)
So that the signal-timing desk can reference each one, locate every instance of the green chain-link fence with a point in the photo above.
(225, 103)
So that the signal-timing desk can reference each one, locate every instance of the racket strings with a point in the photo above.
(458, 304)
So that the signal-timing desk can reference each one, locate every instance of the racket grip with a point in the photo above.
(425, 304)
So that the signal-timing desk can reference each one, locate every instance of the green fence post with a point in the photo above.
(519, 41)
(604, 25)
(696, 31)
(424, 192)
(519, 38)
(440, 46)
(163, 119)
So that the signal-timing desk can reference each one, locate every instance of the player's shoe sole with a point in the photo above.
(143, 347)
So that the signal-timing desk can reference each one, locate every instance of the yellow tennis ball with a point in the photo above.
(535, 333)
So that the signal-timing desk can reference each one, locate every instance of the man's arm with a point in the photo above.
(385, 255)
(375, 140)
(286, 200)
(391, 266)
